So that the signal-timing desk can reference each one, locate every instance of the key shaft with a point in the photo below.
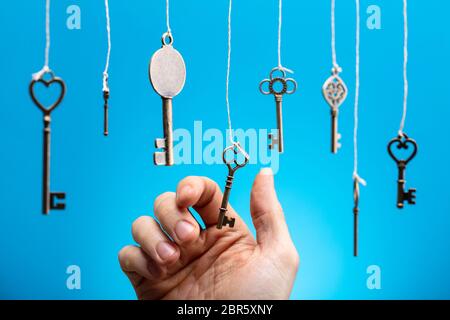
(279, 106)
(48, 197)
(355, 231)
(105, 113)
(46, 166)
(223, 219)
(165, 157)
(277, 138)
(355, 216)
(335, 136)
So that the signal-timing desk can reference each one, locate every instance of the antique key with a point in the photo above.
(233, 165)
(335, 92)
(105, 112)
(48, 198)
(278, 86)
(167, 73)
(403, 142)
(355, 215)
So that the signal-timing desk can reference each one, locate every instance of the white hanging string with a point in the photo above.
(333, 36)
(108, 30)
(46, 67)
(167, 17)
(280, 21)
(355, 129)
(405, 67)
(227, 87)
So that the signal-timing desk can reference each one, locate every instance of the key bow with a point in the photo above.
(47, 83)
(402, 142)
(236, 149)
(273, 80)
(334, 90)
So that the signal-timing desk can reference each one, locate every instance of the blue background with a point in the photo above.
(111, 181)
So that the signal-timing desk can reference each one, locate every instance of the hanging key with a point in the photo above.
(105, 112)
(50, 200)
(233, 165)
(335, 92)
(355, 215)
(403, 142)
(167, 73)
(278, 86)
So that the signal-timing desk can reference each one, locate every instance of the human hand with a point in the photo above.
(191, 263)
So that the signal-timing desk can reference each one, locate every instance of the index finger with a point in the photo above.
(205, 196)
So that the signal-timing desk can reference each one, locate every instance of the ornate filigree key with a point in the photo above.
(335, 92)
(403, 142)
(233, 165)
(278, 86)
(48, 198)
(167, 73)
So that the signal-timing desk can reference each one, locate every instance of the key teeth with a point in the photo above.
(57, 205)
(159, 158)
(160, 143)
(411, 196)
(273, 141)
(229, 221)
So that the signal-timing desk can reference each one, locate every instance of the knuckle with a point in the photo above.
(124, 257)
(290, 256)
(211, 182)
(189, 180)
(160, 201)
(137, 228)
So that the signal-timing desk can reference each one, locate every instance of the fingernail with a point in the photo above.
(165, 250)
(266, 171)
(184, 230)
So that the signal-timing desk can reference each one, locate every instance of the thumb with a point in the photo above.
(267, 214)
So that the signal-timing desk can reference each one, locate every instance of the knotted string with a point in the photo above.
(227, 87)
(280, 21)
(405, 67)
(108, 30)
(336, 66)
(355, 129)
(45, 69)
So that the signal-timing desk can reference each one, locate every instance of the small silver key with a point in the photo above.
(278, 86)
(335, 92)
(167, 73)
